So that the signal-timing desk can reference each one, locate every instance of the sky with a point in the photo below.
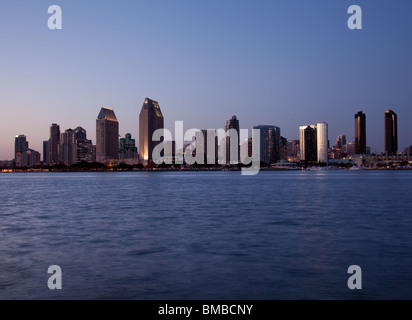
(283, 63)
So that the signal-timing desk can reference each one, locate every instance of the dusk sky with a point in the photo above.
(283, 63)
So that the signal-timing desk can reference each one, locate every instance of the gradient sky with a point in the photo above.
(283, 63)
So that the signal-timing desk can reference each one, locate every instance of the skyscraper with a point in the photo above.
(84, 151)
(150, 120)
(391, 132)
(308, 143)
(322, 142)
(82, 148)
(54, 144)
(107, 136)
(360, 133)
(20, 145)
(269, 143)
(46, 152)
(232, 143)
(66, 147)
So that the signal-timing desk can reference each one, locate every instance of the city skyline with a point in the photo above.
(208, 64)
(72, 146)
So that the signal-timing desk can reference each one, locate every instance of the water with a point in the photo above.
(206, 235)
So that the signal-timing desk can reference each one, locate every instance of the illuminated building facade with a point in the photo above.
(150, 120)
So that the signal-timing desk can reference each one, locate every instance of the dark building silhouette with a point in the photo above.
(54, 144)
(360, 133)
(107, 136)
(46, 152)
(308, 143)
(232, 144)
(269, 143)
(80, 134)
(150, 120)
(391, 132)
(83, 149)
(66, 147)
(20, 145)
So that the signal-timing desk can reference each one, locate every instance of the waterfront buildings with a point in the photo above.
(54, 144)
(308, 143)
(107, 136)
(20, 145)
(46, 152)
(360, 133)
(391, 132)
(28, 158)
(128, 150)
(83, 149)
(314, 143)
(66, 147)
(150, 120)
(322, 142)
(269, 143)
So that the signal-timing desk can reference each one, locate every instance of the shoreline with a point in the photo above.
(5, 171)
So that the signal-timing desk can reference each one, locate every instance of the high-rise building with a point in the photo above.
(340, 141)
(80, 134)
(232, 143)
(46, 152)
(360, 133)
(20, 145)
(82, 147)
(107, 136)
(84, 151)
(150, 120)
(322, 142)
(308, 143)
(269, 143)
(27, 159)
(66, 147)
(391, 132)
(207, 144)
(54, 144)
